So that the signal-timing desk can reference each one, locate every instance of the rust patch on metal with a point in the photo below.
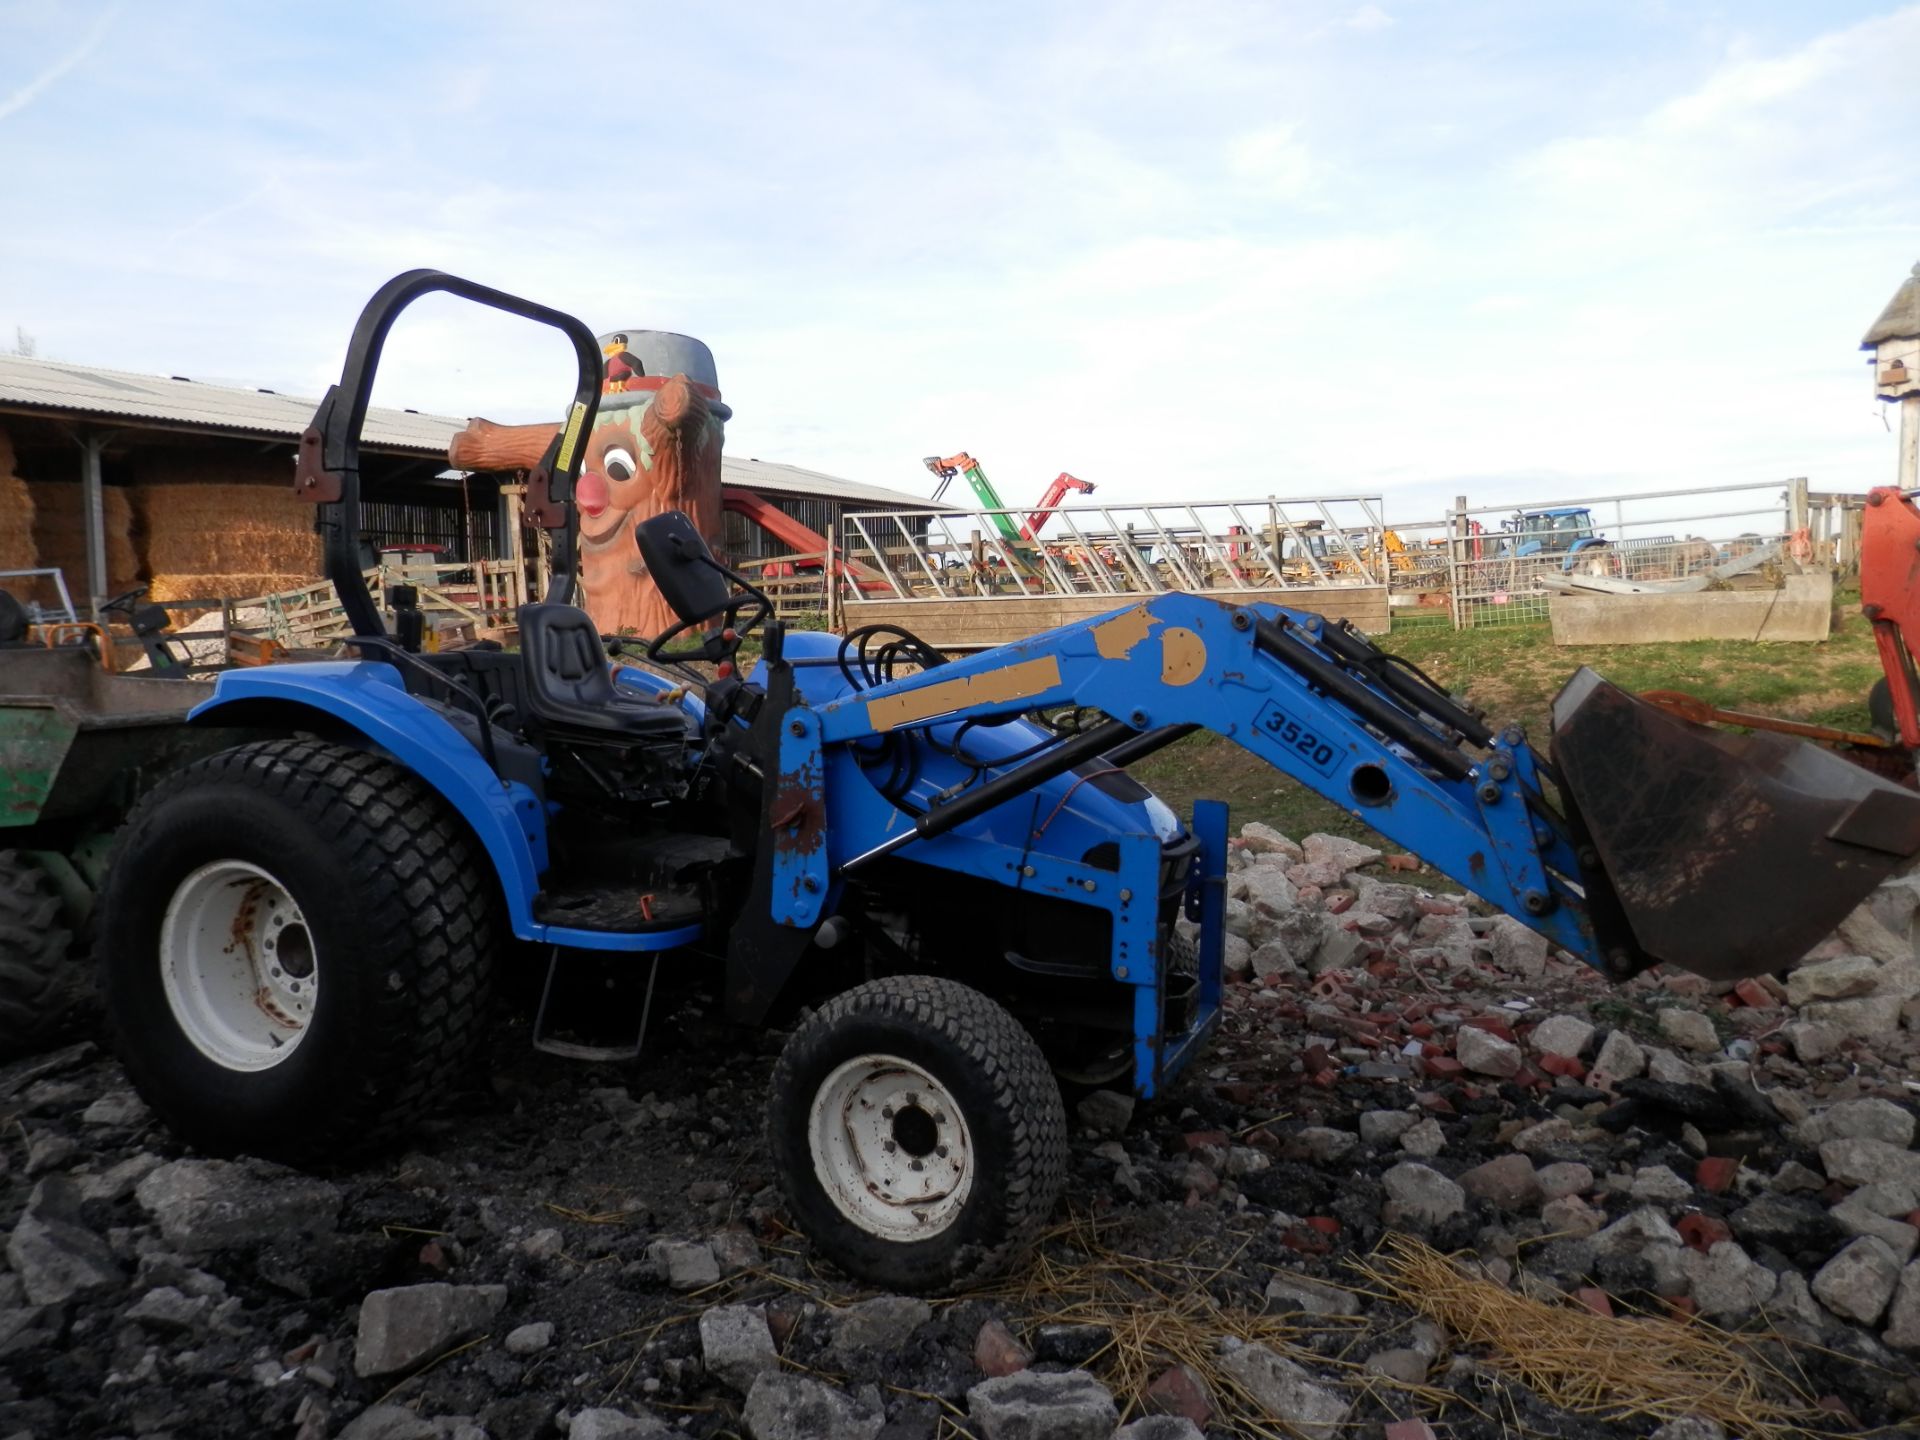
(798, 816)
(264, 999)
(1013, 682)
(312, 481)
(241, 930)
(1183, 655)
(1115, 638)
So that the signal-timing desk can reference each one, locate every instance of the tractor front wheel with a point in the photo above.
(918, 1134)
(296, 944)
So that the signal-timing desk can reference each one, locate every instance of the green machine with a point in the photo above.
(78, 745)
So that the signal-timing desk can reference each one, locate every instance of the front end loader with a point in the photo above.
(936, 871)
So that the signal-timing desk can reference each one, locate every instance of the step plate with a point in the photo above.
(617, 910)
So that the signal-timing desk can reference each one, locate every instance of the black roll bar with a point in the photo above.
(327, 471)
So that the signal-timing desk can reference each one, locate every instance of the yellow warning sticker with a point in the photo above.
(571, 439)
(1015, 682)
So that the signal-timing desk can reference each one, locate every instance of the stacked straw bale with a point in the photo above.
(17, 550)
(60, 533)
(216, 527)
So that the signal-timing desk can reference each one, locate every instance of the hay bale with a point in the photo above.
(239, 586)
(216, 526)
(60, 533)
(227, 529)
(17, 550)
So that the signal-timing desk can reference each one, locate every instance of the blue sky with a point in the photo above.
(1512, 249)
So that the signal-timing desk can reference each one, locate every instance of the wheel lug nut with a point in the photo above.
(888, 1146)
(886, 1112)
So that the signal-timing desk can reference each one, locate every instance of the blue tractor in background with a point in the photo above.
(936, 871)
(1566, 531)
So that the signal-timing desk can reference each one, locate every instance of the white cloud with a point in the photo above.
(1274, 160)
(26, 94)
(1368, 17)
(1100, 242)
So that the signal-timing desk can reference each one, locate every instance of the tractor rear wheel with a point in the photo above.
(43, 985)
(917, 1133)
(297, 943)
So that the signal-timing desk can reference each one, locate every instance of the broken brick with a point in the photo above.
(1595, 1299)
(1716, 1173)
(1702, 1232)
(1179, 1390)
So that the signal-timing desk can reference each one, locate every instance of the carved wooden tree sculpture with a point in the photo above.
(655, 446)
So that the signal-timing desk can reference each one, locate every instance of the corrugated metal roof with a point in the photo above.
(42, 385)
(777, 479)
(32, 384)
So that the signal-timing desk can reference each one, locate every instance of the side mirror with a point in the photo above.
(690, 580)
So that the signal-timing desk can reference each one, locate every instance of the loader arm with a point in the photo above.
(1650, 840)
(1272, 680)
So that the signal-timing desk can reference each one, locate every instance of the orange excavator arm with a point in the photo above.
(1890, 598)
(1049, 502)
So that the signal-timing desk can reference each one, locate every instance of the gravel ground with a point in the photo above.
(599, 1252)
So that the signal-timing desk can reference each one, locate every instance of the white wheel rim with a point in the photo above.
(891, 1148)
(238, 964)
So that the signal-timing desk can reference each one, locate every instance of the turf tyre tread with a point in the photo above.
(423, 891)
(39, 975)
(1021, 1099)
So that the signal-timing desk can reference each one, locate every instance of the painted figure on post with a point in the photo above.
(655, 446)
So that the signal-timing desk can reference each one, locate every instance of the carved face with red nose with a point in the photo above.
(658, 453)
(611, 477)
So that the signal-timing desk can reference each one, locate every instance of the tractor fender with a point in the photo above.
(1584, 543)
(368, 700)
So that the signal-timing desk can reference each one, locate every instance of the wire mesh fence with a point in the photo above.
(1506, 562)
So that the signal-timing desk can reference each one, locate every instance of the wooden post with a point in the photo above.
(1910, 442)
(1797, 516)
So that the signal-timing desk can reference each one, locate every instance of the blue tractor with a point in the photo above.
(936, 871)
(1567, 531)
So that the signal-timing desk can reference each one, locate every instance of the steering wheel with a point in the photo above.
(126, 601)
(708, 649)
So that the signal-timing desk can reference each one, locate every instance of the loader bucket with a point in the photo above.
(1728, 855)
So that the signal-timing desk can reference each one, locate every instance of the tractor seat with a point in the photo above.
(570, 690)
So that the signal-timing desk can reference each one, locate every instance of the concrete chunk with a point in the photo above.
(1287, 1393)
(402, 1327)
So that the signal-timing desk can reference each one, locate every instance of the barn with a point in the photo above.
(118, 479)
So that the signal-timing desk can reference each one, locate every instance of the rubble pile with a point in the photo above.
(600, 1254)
